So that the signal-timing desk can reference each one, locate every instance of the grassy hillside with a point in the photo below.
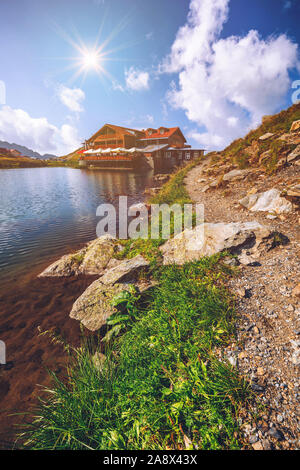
(73, 156)
(250, 151)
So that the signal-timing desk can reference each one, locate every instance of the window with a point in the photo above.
(187, 156)
(180, 155)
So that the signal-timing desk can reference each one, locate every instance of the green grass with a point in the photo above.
(172, 192)
(162, 386)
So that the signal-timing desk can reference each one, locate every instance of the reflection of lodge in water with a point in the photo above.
(115, 147)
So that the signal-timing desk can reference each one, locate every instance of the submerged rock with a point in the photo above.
(92, 259)
(208, 239)
(269, 201)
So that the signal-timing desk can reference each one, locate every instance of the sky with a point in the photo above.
(211, 67)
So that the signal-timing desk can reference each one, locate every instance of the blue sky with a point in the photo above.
(213, 67)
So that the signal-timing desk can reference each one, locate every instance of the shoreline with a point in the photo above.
(36, 304)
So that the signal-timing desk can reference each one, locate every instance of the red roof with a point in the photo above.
(156, 134)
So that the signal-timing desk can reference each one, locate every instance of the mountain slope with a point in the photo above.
(26, 151)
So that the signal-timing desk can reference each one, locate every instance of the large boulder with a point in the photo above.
(208, 239)
(269, 201)
(92, 259)
(94, 306)
(126, 270)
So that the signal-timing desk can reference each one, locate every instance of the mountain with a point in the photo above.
(26, 151)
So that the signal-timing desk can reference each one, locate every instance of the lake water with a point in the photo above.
(44, 212)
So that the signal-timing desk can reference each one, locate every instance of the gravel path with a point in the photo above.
(267, 348)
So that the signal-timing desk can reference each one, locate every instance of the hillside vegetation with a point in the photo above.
(20, 162)
(250, 151)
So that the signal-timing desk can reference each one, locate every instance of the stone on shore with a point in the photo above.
(208, 239)
(126, 270)
(94, 306)
(269, 201)
(92, 259)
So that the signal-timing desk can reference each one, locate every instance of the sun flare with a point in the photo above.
(91, 60)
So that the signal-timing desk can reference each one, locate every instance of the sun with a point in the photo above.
(91, 60)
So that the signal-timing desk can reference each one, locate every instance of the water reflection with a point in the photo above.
(44, 211)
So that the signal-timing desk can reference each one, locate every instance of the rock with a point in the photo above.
(206, 188)
(295, 126)
(269, 201)
(291, 139)
(247, 260)
(257, 446)
(124, 271)
(208, 239)
(276, 434)
(260, 371)
(92, 259)
(243, 355)
(253, 439)
(99, 252)
(296, 291)
(266, 136)
(257, 388)
(294, 155)
(235, 175)
(295, 358)
(93, 307)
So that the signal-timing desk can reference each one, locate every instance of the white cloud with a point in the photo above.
(117, 86)
(136, 79)
(71, 97)
(226, 85)
(17, 126)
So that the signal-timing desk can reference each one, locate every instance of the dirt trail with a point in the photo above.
(268, 314)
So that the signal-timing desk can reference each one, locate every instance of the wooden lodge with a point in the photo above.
(116, 147)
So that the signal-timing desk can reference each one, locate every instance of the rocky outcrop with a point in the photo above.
(295, 126)
(269, 201)
(92, 259)
(266, 136)
(294, 155)
(235, 175)
(208, 239)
